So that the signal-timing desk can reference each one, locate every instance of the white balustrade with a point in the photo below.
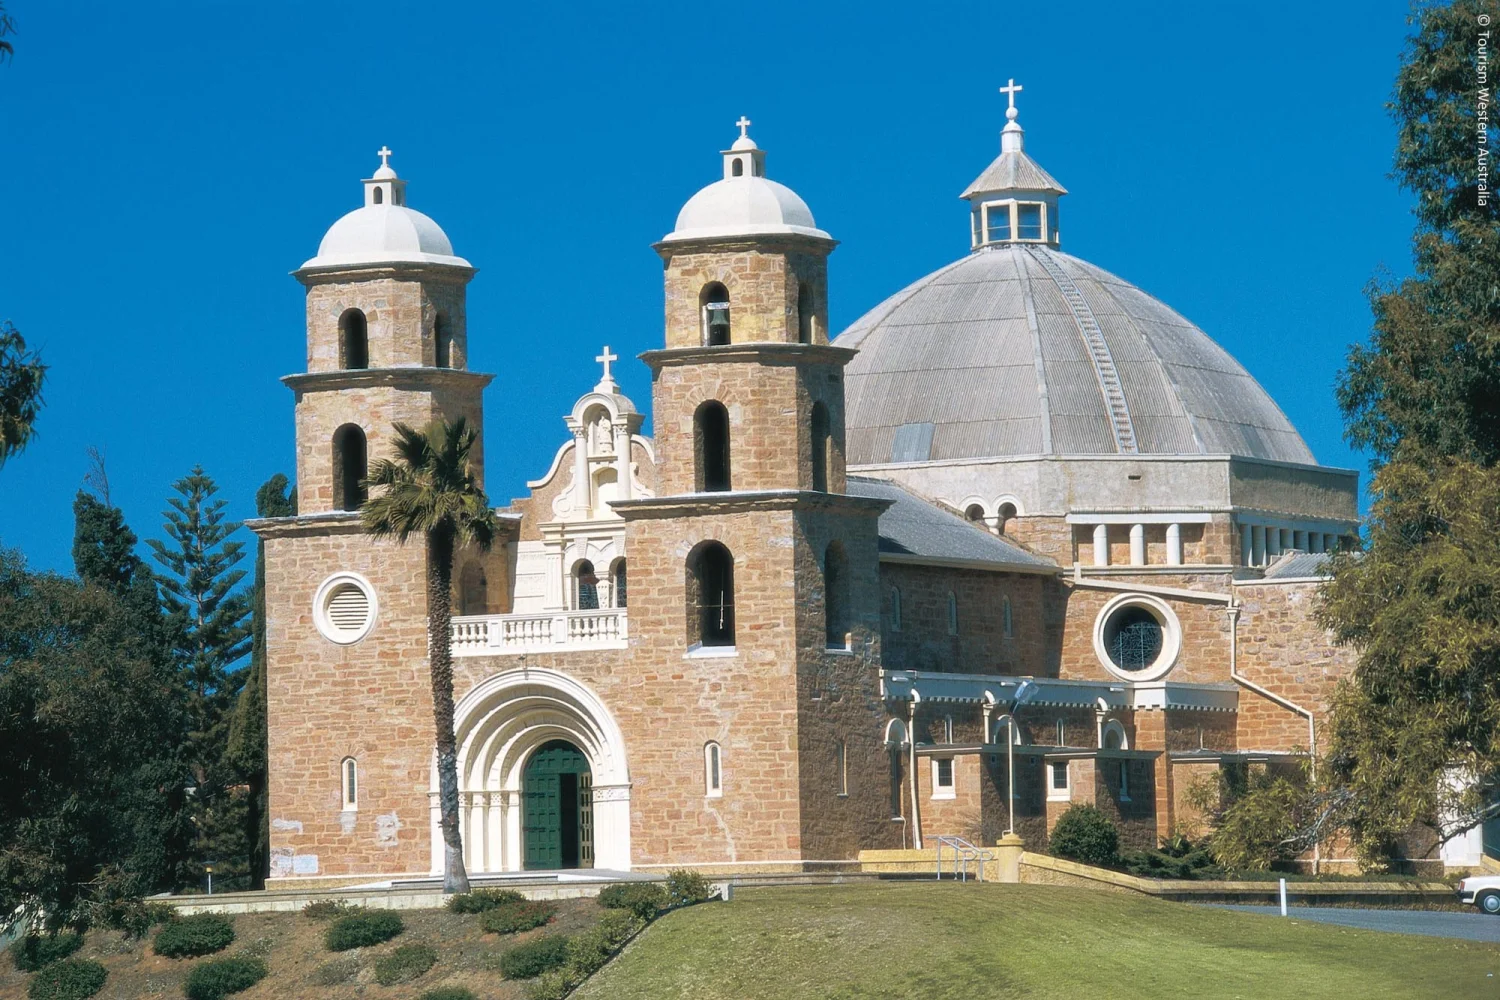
(504, 635)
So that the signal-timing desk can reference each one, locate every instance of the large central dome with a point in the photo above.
(1020, 349)
(992, 356)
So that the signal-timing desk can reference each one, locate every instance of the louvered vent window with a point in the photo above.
(345, 609)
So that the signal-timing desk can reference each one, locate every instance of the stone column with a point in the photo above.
(1137, 545)
(1299, 541)
(1151, 734)
(1174, 545)
(1286, 539)
(1008, 851)
(475, 839)
(1273, 545)
(556, 596)
(1247, 545)
(512, 830)
(625, 486)
(494, 826)
(1315, 541)
(583, 490)
(1101, 545)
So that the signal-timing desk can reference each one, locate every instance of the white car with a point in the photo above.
(1481, 890)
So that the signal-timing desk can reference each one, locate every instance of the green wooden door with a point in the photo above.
(555, 808)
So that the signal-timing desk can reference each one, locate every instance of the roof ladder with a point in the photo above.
(1093, 339)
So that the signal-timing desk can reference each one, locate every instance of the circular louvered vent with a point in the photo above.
(345, 608)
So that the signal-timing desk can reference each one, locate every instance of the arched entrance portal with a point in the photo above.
(542, 776)
(557, 808)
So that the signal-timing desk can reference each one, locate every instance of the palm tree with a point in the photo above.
(430, 490)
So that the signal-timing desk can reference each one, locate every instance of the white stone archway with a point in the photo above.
(498, 724)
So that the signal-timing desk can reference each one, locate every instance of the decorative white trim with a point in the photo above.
(1142, 517)
(320, 608)
(1113, 726)
(698, 651)
(1171, 639)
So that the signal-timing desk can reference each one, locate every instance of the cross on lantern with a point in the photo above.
(384, 152)
(605, 359)
(1010, 91)
(744, 124)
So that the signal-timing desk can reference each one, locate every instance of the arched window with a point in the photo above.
(710, 595)
(354, 340)
(713, 770)
(473, 590)
(895, 609)
(975, 515)
(1114, 736)
(806, 312)
(952, 613)
(617, 578)
(1004, 516)
(349, 776)
(737, 168)
(379, 196)
(349, 467)
(820, 447)
(1005, 617)
(711, 447)
(947, 729)
(585, 587)
(841, 763)
(836, 596)
(1062, 733)
(442, 341)
(713, 305)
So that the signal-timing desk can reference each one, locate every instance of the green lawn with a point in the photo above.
(934, 941)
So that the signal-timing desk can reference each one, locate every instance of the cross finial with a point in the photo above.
(384, 152)
(744, 124)
(1010, 91)
(605, 359)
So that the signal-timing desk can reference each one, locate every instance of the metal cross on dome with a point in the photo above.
(384, 152)
(1010, 91)
(605, 359)
(744, 124)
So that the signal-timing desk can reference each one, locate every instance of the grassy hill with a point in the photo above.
(1022, 942)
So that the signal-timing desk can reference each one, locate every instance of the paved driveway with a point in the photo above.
(1474, 926)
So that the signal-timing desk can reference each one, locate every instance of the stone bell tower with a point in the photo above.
(348, 694)
(756, 574)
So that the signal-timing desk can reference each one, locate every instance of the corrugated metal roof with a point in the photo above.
(1299, 566)
(1013, 170)
(912, 526)
(957, 350)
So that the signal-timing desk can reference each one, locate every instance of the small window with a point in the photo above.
(351, 783)
(896, 766)
(835, 597)
(1005, 617)
(841, 762)
(711, 447)
(1003, 517)
(952, 613)
(350, 467)
(710, 592)
(713, 306)
(617, 574)
(806, 312)
(895, 609)
(737, 168)
(821, 445)
(1114, 736)
(1124, 781)
(947, 729)
(1029, 222)
(1133, 637)
(1062, 733)
(713, 773)
(1057, 787)
(396, 198)
(942, 777)
(996, 223)
(585, 587)
(379, 196)
(354, 340)
(974, 514)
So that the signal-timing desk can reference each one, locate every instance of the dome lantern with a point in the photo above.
(1014, 200)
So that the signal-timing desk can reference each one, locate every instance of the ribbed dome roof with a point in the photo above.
(1023, 350)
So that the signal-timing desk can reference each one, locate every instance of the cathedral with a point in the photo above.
(1021, 537)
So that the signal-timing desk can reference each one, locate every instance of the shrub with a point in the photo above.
(35, 950)
(404, 964)
(329, 909)
(449, 993)
(588, 952)
(223, 976)
(484, 900)
(360, 930)
(514, 917)
(340, 970)
(529, 960)
(69, 979)
(685, 887)
(554, 985)
(189, 937)
(643, 899)
(1177, 858)
(136, 917)
(1085, 834)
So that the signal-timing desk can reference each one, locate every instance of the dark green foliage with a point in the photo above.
(340, 970)
(360, 930)
(223, 976)
(328, 909)
(71, 979)
(133, 916)
(529, 960)
(483, 900)
(685, 887)
(408, 962)
(511, 918)
(189, 937)
(1085, 834)
(643, 899)
(1258, 814)
(1178, 858)
(36, 950)
(92, 809)
(21, 371)
(587, 953)
(449, 993)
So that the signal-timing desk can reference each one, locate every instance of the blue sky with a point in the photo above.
(166, 164)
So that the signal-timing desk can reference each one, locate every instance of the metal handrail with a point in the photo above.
(963, 853)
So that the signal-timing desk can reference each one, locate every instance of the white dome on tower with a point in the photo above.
(384, 230)
(744, 203)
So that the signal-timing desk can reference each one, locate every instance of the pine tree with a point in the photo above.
(247, 729)
(22, 375)
(1423, 704)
